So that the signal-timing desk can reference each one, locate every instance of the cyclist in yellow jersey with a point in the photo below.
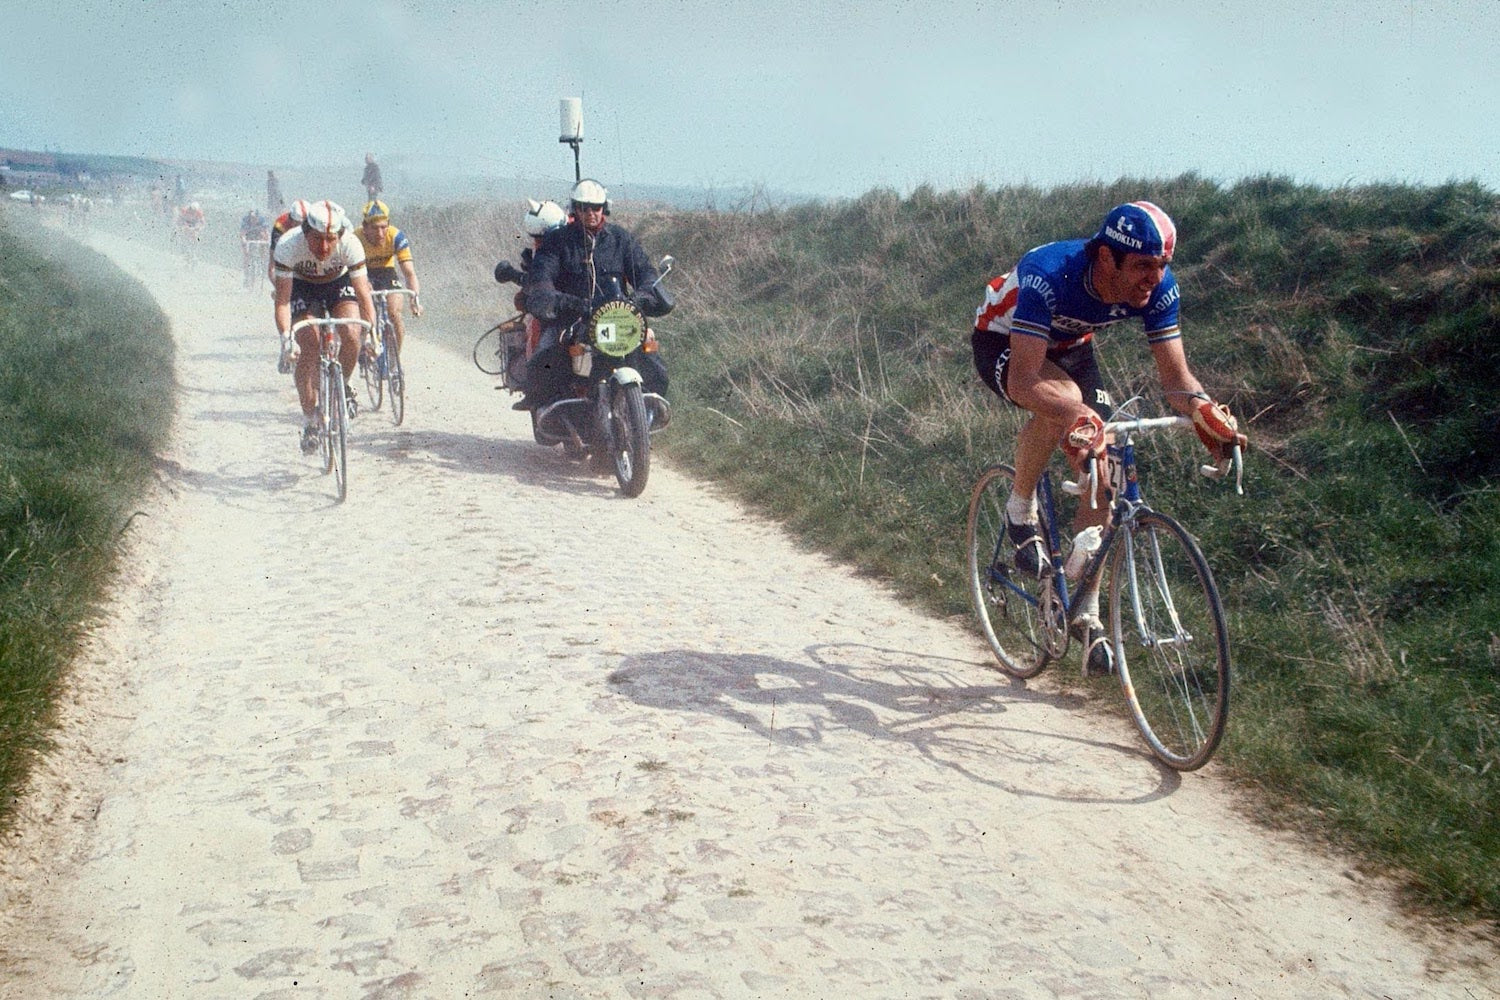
(387, 249)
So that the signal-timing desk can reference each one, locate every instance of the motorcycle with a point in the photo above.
(607, 417)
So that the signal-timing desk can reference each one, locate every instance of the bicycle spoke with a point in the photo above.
(1171, 646)
(1014, 614)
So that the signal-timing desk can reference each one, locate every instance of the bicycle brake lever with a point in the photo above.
(1078, 489)
(1234, 460)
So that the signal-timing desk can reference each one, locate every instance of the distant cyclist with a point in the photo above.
(254, 226)
(284, 223)
(191, 220)
(319, 268)
(1033, 346)
(388, 257)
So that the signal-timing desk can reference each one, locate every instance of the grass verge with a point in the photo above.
(86, 396)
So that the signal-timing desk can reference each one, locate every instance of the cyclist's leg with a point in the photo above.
(349, 336)
(308, 300)
(305, 375)
(396, 308)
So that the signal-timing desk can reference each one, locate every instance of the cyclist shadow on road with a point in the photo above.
(445, 451)
(912, 698)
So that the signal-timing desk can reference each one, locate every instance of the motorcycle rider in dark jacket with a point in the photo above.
(574, 265)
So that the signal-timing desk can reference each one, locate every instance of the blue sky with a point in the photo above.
(815, 97)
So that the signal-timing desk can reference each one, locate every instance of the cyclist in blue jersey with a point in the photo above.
(1033, 346)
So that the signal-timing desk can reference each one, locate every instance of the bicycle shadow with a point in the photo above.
(915, 699)
(229, 483)
(472, 454)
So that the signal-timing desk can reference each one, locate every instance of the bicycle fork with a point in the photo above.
(1149, 637)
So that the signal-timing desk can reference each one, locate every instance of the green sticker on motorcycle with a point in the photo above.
(617, 328)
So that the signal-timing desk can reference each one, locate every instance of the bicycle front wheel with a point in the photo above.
(326, 415)
(396, 376)
(1171, 644)
(369, 370)
(1013, 607)
(338, 432)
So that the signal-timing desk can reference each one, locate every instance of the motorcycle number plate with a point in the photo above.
(616, 328)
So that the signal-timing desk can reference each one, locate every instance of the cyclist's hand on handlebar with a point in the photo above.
(1217, 428)
(1083, 441)
(416, 305)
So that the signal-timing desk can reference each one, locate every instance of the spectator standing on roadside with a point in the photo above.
(274, 202)
(371, 178)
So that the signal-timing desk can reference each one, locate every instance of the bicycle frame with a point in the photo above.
(1128, 504)
(328, 340)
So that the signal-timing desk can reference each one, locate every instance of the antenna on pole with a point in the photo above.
(572, 130)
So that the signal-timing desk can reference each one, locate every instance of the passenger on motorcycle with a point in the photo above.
(386, 249)
(540, 219)
(575, 266)
(320, 267)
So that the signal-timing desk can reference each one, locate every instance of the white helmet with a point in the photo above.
(542, 217)
(298, 212)
(325, 217)
(590, 192)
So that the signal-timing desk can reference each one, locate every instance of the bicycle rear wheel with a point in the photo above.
(1171, 644)
(1013, 608)
(396, 376)
(338, 432)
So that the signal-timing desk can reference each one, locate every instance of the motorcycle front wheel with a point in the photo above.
(630, 439)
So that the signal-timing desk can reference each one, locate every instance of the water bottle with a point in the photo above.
(1084, 546)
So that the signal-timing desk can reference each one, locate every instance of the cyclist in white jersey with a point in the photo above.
(319, 269)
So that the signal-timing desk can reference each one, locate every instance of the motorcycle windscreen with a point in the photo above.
(616, 328)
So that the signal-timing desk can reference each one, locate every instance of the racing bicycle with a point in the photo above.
(380, 360)
(334, 407)
(255, 254)
(1166, 622)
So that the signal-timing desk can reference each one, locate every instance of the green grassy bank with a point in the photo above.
(86, 396)
(821, 371)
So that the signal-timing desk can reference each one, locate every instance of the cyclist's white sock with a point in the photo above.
(1021, 510)
(1088, 606)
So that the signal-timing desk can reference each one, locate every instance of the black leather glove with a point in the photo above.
(506, 273)
(571, 305)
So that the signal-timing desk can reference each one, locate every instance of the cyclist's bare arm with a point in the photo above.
(1051, 395)
(359, 280)
(409, 272)
(1178, 382)
(282, 290)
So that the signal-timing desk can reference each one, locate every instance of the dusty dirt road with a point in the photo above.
(490, 729)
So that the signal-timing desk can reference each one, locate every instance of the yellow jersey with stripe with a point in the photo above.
(385, 253)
